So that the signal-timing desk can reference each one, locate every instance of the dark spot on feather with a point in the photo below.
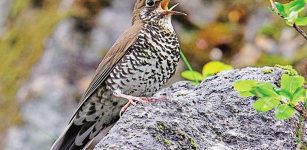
(90, 112)
(115, 103)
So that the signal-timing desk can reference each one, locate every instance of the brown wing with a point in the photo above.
(115, 54)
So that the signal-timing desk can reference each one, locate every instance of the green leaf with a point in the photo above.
(295, 5)
(186, 62)
(264, 89)
(284, 111)
(265, 104)
(301, 21)
(246, 94)
(245, 85)
(291, 18)
(192, 75)
(291, 83)
(215, 67)
(281, 9)
(285, 94)
(298, 96)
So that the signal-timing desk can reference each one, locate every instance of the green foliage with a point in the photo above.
(265, 104)
(209, 69)
(284, 111)
(215, 67)
(245, 87)
(268, 71)
(191, 74)
(283, 99)
(290, 12)
(292, 88)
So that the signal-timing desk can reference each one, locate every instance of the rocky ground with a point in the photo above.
(209, 116)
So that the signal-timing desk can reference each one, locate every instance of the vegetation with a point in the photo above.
(290, 12)
(285, 100)
(210, 69)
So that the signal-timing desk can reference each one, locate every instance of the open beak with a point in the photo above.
(169, 11)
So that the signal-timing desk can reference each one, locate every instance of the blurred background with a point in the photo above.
(49, 50)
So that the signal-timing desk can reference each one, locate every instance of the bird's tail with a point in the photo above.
(75, 137)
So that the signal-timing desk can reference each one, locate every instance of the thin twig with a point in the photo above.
(302, 110)
(297, 28)
(186, 62)
(273, 5)
(300, 30)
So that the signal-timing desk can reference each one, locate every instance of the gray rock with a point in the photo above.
(209, 116)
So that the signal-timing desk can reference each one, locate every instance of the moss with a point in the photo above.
(181, 95)
(169, 135)
(193, 143)
(161, 126)
(158, 138)
(289, 69)
(267, 71)
(167, 142)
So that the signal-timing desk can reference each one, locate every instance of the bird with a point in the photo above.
(139, 63)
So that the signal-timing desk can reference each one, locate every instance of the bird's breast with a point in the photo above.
(148, 65)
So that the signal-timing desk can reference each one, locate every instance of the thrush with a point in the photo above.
(139, 63)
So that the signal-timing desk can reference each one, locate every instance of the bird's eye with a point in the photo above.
(150, 3)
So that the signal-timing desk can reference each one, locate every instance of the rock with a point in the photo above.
(209, 116)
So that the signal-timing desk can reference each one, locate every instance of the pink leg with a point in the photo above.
(132, 100)
(154, 99)
(124, 109)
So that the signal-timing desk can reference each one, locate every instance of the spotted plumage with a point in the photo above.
(139, 64)
(151, 61)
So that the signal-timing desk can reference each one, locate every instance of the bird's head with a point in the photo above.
(155, 11)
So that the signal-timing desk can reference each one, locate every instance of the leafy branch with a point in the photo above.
(290, 12)
(286, 100)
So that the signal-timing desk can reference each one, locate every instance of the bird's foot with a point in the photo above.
(132, 100)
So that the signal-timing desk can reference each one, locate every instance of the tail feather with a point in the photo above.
(75, 137)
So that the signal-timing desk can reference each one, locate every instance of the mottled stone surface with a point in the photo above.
(209, 116)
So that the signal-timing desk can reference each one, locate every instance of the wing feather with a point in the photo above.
(115, 54)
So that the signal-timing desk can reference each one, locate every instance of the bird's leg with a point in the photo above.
(154, 99)
(132, 100)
